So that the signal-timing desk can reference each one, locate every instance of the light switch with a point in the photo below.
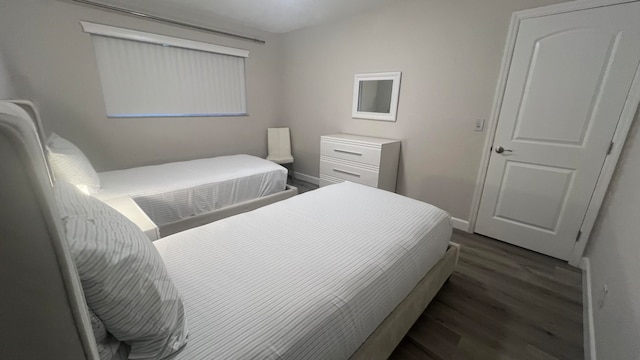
(479, 125)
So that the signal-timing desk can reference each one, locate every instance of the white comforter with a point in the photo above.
(310, 277)
(174, 191)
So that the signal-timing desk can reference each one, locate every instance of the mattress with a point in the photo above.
(310, 277)
(170, 192)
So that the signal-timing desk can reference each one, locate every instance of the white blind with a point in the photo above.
(146, 79)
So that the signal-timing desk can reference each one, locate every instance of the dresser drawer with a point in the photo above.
(348, 172)
(362, 154)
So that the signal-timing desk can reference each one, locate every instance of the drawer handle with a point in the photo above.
(346, 172)
(347, 152)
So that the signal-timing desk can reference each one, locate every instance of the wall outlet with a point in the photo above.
(479, 125)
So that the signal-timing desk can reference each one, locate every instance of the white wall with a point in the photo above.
(52, 62)
(614, 254)
(449, 53)
(6, 89)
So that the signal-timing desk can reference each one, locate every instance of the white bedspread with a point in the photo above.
(174, 191)
(310, 277)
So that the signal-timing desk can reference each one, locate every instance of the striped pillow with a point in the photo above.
(71, 165)
(125, 282)
(108, 346)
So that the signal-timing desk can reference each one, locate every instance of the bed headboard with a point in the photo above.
(42, 307)
(32, 111)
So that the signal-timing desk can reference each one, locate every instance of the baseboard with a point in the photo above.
(587, 311)
(460, 224)
(308, 178)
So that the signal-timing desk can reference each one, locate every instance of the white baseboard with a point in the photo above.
(308, 178)
(460, 224)
(587, 311)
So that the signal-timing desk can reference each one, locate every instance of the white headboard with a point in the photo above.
(42, 307)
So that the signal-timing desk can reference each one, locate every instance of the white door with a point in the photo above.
(568, 82)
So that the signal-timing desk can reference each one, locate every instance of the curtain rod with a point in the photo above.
(169, 21)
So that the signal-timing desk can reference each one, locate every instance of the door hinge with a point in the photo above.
(578, 237)
(610, 148)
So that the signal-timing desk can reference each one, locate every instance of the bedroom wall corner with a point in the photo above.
(53, 63)
(449, 53)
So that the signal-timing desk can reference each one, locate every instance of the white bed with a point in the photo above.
(171, 192)
(182, 195)
(314, 284)
(338, 273)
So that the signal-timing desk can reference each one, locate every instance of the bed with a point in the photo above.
(337, 273)
(181, 195)
(310, 277)
(172, 196)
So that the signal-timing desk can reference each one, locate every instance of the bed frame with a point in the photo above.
(202, 219)
(43, 309)
(42, 306)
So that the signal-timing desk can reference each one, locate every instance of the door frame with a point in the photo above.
(619, 137)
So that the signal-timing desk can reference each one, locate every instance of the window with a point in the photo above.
(149, 75)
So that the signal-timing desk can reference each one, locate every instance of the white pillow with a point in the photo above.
(71, 165)
(124, 279)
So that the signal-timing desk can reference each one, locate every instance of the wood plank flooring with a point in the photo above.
(503, 302)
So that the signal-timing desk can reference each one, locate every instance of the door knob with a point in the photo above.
(501, 149)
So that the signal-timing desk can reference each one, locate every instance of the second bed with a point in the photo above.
(181, 195)
(167, 198)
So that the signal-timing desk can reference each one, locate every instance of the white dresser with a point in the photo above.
(360, 159)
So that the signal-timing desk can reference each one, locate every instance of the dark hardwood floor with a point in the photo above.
(503, 302)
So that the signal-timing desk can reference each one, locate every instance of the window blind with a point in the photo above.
(143, 78)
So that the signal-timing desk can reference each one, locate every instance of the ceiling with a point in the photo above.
(276, 16)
